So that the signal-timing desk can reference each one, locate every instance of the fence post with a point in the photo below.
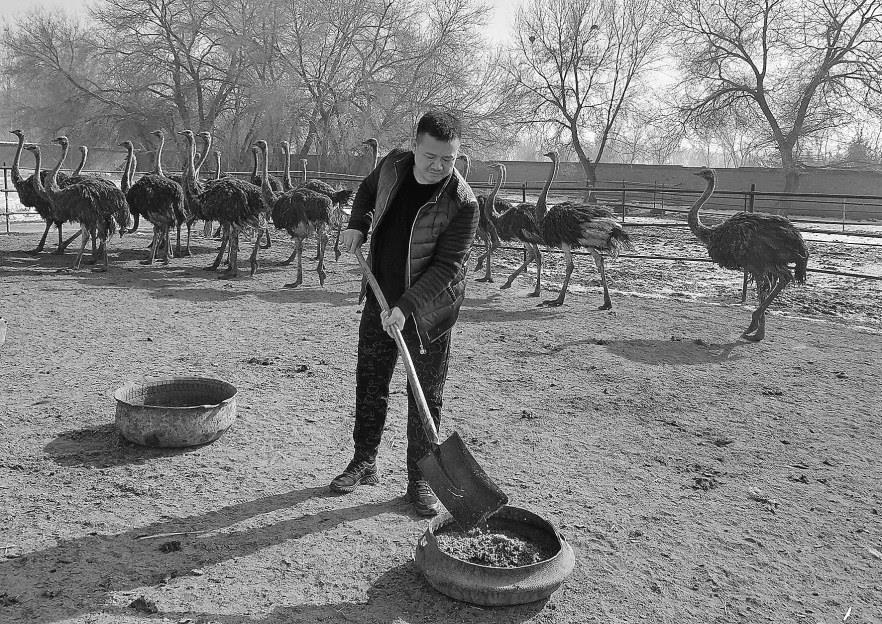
(843, 210)
(752, 191)
(623, 201)
(524, 192)
(6, 196)
(654, 189)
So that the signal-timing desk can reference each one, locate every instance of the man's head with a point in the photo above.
(437, 146)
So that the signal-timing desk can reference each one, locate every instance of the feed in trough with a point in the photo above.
(498, 549)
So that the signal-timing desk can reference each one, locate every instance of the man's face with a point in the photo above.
(433, 158)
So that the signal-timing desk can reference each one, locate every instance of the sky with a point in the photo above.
(503, 12)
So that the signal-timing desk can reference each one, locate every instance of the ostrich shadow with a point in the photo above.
(674, 352)
(399, 594)
(86, 571)
(102, 446)
(483, 310)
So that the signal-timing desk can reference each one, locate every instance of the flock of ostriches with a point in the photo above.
(761, 245)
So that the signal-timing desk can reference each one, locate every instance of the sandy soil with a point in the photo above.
(698, 477)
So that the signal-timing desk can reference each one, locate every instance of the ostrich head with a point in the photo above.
(286, 146)
(261, 145)
(128, 145)
(84, 150)
(159, 134)
(707, 173)
(553, 155)
(32, 148)
(187, 134)
(18, 133)
(62, 141)
(372, 142)
(205, 135)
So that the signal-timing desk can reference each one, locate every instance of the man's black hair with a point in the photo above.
(440, 124)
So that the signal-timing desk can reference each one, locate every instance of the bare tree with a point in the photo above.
(800, 65)
(575, 64)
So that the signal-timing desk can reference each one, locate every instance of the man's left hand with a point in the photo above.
(394, 318)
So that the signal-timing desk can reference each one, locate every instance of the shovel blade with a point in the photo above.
(460, 483)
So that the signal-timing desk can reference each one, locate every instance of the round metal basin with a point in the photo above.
(491, 586)
(175, 412)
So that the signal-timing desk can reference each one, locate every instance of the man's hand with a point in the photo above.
(352, 240)
(394, 318)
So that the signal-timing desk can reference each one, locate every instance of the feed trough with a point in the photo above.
(175, 412)
(490, 585)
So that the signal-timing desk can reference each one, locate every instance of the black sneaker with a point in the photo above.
(425, 503)
(358, 472)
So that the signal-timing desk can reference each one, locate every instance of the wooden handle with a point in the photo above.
(422, 405)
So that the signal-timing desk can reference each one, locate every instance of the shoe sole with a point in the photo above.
(346, 489)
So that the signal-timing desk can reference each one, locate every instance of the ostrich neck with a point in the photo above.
(38, 183)
(132, 168)
(204, 155)
(157, 168)
(53, 179)
(304, 163)
(541, 202)
(16, 174)
(265, 188)
(125, 181)
(85, 154)
(254, 167)
(287, 172)
(376, 150)
(217, 166)
(490, 202)
(465, 168)
(701, 231)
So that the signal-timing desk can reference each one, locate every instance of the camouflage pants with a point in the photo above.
(377, 356)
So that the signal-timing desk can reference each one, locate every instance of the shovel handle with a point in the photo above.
(419, 397)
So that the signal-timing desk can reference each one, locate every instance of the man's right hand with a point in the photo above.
(352, 240)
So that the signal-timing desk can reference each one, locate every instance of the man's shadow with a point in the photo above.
(399, 594)
(77, 575)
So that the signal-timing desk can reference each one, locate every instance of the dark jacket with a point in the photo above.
(442, 235)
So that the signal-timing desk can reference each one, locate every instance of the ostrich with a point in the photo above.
(374, 146)
(287, 185)
(338, 200)
(301, 212)
(516, 223)
(762, 245)
(569, 226)
(233, 203)
(257, 180)
(157, 199)
(30, 198)
(96, 203)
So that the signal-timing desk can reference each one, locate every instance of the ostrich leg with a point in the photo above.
(262, 227)
(568, 255)
(233, 270)
(598, 260)
(479, 264)
(531, 253)
(322, 246)
(337, 239)
(206, 229)
(492, 245)
(63, 245)
(79, 259)
(298, 251)
(758, 322)
(744, 288)
(102, 250)
(220, 254)
(154, 245)
(42, 242)
(166, 235)
(293, 253)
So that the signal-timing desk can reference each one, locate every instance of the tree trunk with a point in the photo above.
(791, 179)
(589, 167)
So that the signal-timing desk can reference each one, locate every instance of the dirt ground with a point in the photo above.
(698, 477)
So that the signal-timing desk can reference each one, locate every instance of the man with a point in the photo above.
(422, 217)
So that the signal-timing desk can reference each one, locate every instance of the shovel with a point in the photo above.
(451, 470)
